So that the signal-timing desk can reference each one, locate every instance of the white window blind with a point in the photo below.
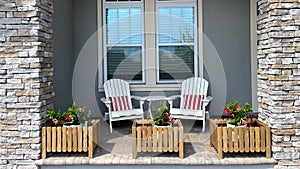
(176, 42)
(124, 42)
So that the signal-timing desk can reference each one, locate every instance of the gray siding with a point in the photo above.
(63, 52)
(226, 25)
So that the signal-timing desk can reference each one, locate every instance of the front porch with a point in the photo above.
(116, 149)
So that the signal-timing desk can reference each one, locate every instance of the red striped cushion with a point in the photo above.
(119, 103)
(193, 102)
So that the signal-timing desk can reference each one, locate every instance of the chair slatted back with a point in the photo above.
(117, 91)
(193, 92)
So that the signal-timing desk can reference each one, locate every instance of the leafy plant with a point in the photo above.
(73, 115)
(238, 114)
(161, 115)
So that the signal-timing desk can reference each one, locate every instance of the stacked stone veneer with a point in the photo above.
(25, 79)
(279, 76)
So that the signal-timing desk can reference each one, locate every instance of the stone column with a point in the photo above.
(26, 90)
(278, 57)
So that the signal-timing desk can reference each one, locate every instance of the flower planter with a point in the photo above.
(71, 139)
(149, 138)
(255, 137)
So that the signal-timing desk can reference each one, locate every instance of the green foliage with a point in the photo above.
(238, 114)
(161, 115)
(56, 114)
(74, 114)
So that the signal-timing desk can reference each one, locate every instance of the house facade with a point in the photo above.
(248, 51)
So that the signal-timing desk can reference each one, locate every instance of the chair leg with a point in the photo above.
(110, 126)
(203, 128)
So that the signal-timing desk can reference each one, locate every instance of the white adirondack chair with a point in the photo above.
(118, 102)
(193, 100)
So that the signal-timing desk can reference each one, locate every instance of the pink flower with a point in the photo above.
(68, 117)
(251, 115)
(170, 118)
(244, 122)
(81, 109)
(227, 111)
(236, 107)
(55, 121)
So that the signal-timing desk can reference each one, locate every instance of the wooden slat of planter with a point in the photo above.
(229, 137)
(58, 139)
(149, 133)
(247, 148)
(176, 141)
(160, 140)
(69, 135)
(252, 139)
(165, 137)
(53, 136)
(74, 132)
(181, 145)
(85, 139)
(144, 139)
(134, 148)
(139, 139)
(257, 139)
(236, 139)
(263, 138)
(219, 148)
(49, 139)
(268, 142)
(44, 133)
(79, 139)
(241, 140)
(154, 139)
(64, 139)
(91, 142)
(225, 140)
(171, 146)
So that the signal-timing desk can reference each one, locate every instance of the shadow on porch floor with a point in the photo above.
(115, 148)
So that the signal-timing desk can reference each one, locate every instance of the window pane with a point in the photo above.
(124, 26)
(176, 25)
(176, 62)
(125, 63)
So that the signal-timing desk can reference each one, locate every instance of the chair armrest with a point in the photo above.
(173, 97)
(105, 101)
(139, 98)
(207, 100)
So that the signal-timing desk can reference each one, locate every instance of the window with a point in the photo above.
(123, 40)
(153, 44)
(176, 34)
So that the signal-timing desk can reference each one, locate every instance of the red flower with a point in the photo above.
(68, 117)
(55, 121)
(227, 111)
(251, 115)
(236, 107)
(244, 122)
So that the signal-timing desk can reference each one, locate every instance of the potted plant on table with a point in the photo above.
(161, 116)
(238, 114)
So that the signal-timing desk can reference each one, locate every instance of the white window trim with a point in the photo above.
(150, 63)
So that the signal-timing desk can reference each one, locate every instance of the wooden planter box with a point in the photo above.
(147, 138)
(255, 137)
(71, 139)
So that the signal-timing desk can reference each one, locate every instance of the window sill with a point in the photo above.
(154, 87)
